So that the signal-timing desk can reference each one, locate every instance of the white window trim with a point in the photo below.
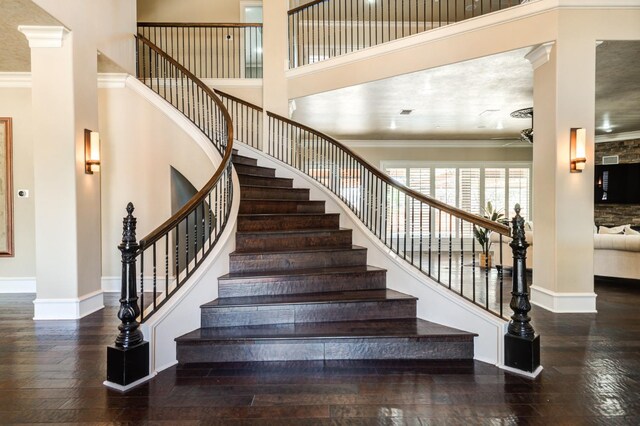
(384, 164)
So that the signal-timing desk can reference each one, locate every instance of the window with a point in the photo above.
(466, 186)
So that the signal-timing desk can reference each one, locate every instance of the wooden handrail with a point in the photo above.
(454, 211)
(236, 99)
(200, 24)
(304, 6)
(198, 198)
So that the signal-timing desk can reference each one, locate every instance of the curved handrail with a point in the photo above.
(170, 223)
(200, 196)
(454, 211)
(178, 246)
(200, 24)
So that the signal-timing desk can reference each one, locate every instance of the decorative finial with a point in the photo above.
(517, 209)
(129, 227)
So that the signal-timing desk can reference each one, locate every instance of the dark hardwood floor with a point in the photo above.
(52, 372)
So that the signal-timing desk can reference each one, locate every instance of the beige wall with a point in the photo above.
(376, 155)
(16, 103)
(137, 151)
(189, 10)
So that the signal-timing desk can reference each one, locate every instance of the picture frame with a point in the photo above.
(6, 188)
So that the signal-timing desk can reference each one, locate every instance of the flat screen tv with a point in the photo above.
(618, 184)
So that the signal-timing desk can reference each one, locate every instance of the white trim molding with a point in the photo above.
(66, 309)
(480, 143)
(563, 302)
(15, 79)
(531, 375)
(44, 35)
(218, 83)
(112, 80)
(123, 389)
(17, 285)
(540, 55)
(23, 80)
(615, 137)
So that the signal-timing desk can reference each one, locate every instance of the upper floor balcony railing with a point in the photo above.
(324, 29)
(210, 50)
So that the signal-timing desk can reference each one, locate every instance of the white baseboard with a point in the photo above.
(563, 302)
(123, 389)
(65, 309)
(18, 285)
(531, 375)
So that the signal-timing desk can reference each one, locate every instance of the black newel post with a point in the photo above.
(128, 359)
(522, 345)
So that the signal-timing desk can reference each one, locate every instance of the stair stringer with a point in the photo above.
(436, 303)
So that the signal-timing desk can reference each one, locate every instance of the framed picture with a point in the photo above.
(6, 189)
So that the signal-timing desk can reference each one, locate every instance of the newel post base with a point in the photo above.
(522, 353)
(521, 343)
(127, 366)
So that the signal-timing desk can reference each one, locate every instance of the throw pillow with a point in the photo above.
(628, 230)
(614, 230)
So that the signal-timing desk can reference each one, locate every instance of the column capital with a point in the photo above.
(44, 35)
(539, 55)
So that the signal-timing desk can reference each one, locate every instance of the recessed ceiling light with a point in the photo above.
(406, 111)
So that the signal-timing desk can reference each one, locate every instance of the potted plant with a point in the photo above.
(482, 235)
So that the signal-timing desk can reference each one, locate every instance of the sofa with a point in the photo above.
(617, 254)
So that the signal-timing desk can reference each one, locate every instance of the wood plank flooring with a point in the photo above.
(52, 372)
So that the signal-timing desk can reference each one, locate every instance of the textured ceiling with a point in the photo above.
(15, 54)
(469, 100)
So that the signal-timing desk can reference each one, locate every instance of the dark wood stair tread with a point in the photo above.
(309, 250)
(387, 328)
(301, 272)
(272, 187)
(291, 231)
(307, 298)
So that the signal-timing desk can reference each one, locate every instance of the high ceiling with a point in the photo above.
(469, 100)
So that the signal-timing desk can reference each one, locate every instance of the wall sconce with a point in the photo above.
(578, 149)
(91, 152)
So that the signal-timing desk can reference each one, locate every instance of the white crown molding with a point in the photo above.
(62, 309)
(23, 80)
(615, 137)
(18, 285)
(539, 55)
(15, 79)
(44, 36)
(563, 302)
(515, 143)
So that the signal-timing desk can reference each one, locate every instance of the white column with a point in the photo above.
(275, 61)
(564, 97)
(67, 201)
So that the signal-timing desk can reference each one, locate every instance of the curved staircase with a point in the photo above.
(299, 290)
